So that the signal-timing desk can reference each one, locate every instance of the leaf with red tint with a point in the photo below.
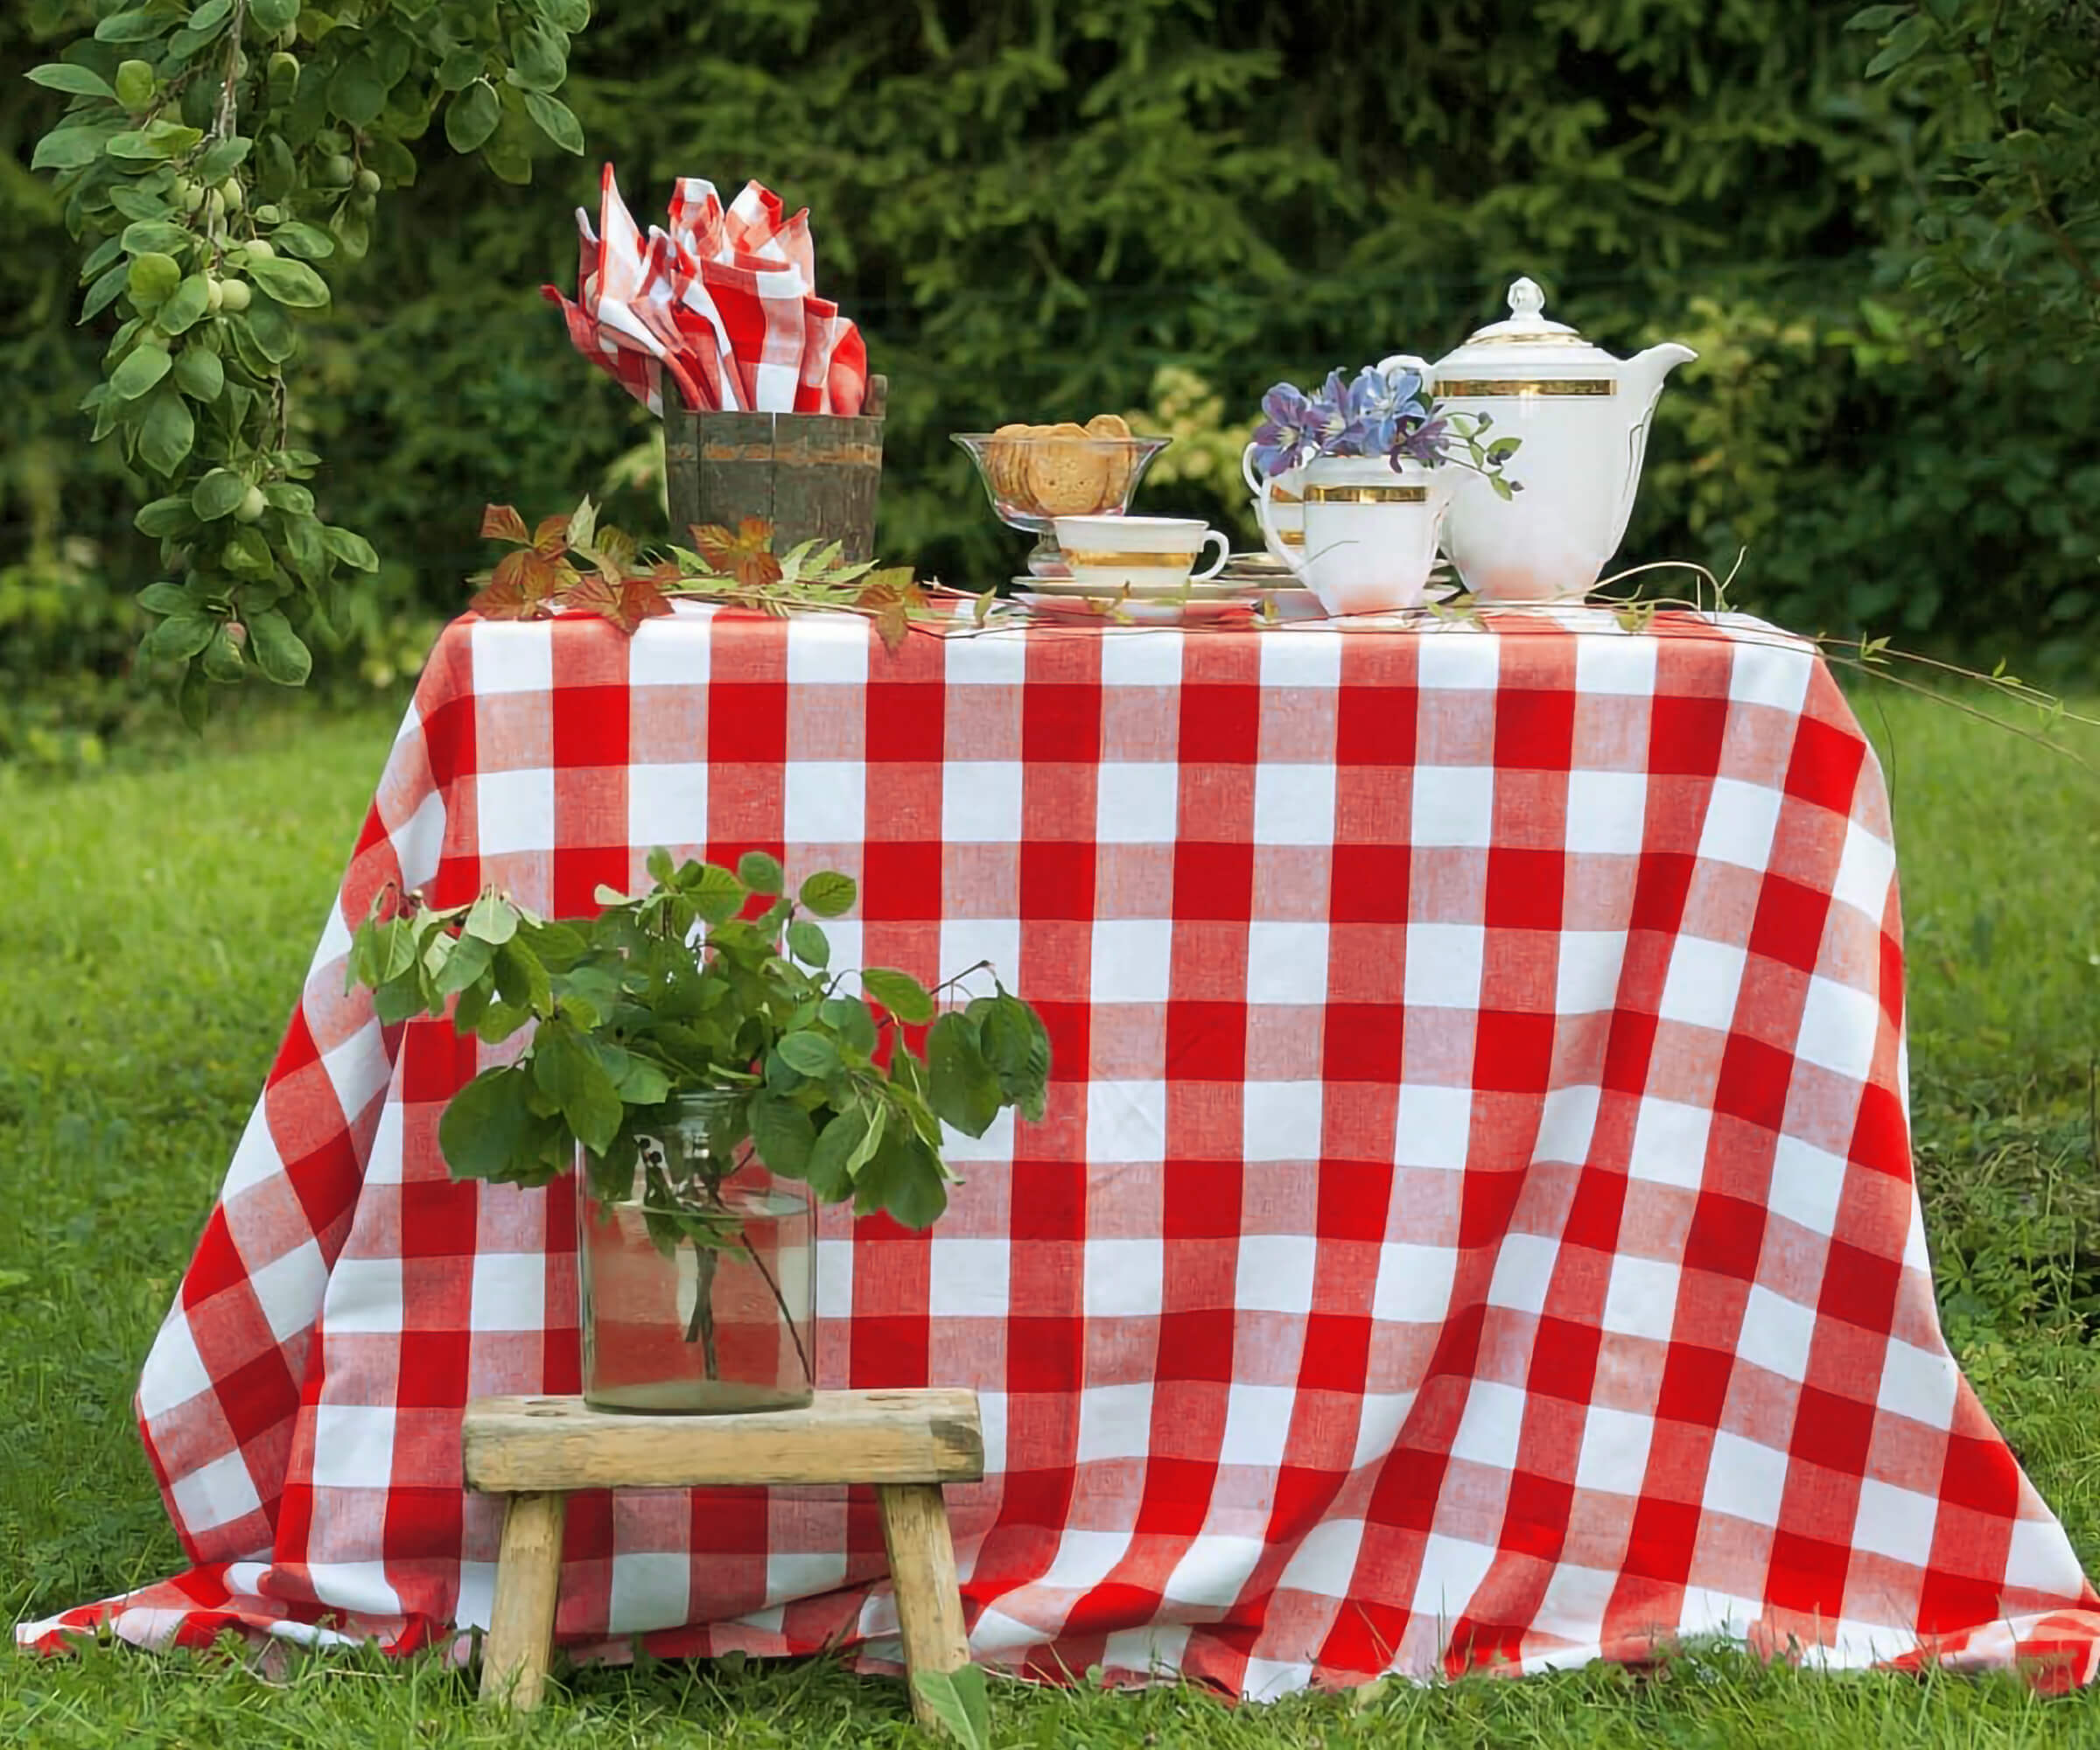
(894, 626)
(501, 597)
(755, 570)
(641, 599)
(593, 592)
(502, 522)
(726, 553)
(552, 536)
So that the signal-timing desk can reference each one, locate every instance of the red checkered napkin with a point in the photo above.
(724, 302)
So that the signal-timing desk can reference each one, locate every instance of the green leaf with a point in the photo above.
(290, 281)
(485, 1125)
(133, 27)
(163, 599)
(153, 279)
(829, 1171)
(69, 148)
(470, 963)
(104, 292)
(782, 1133)
(717, 894)
(643, 1083)
(808, 943)
(309, 552)
(539, 58)
(211, 15)
(198, 373)
(142, 367)
(904, 1179)
(180, 636)
(225, 158)
(471, 117)
(829, 893)
(353, 550)
(460, 68)
(493, 919)
(185, 305)
(63, 76)
(761, 873)
(223, 662)
(134, 85)
(809, 1054)
(1905, 43)
(217, 494)
(962, 1088)
(570, 1075)
(899, 992)
(276, 15)
(100, 257)
(961, 1701)
(155, 236)
(847, 1016)
(521, 979)
(357, 93)
(166, 432)
(309, 240)
(165, 517)
(280, 652)
(555, 119)
(269, 326)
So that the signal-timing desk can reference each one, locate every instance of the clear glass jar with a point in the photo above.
(697, 1271)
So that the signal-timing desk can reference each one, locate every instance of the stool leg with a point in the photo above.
(528, 1575)
(922, 1570)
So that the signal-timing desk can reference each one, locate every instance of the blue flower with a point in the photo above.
(1337, 429)
(1284, 438)
(1422, 440)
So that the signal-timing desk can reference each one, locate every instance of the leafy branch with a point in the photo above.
(209, 157)
(713, 980)
(570, 565)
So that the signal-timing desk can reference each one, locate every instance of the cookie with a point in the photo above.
(1004, 459)
(1113, 427)
(1067, 478)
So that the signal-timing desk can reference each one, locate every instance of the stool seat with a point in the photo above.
(538, 1450)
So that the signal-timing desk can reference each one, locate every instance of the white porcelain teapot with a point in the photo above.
(1582, 417)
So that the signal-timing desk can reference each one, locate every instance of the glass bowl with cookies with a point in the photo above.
(1034, 474)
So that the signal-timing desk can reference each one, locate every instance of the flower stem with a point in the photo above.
(702, 1328)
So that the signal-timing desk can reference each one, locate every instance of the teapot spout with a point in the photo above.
(1642, 373)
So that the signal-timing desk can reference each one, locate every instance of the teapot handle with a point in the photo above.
(1404, 361)
(1270, 538)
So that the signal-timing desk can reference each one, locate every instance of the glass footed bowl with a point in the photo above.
(1079, 477)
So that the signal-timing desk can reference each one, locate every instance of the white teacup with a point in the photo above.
(1150, 553)
(1370, 533)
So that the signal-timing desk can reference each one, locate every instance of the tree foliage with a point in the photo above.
(2006, 95)
(1034, 209)
(212, 160)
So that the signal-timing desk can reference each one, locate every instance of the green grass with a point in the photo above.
(158, 926)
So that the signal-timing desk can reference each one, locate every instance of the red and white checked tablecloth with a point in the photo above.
(1474, 1222)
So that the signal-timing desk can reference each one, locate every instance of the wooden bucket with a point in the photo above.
(813, 476)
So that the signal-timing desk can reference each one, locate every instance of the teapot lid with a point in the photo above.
(1525, 339)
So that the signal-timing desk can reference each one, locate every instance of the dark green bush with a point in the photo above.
(1030, 209)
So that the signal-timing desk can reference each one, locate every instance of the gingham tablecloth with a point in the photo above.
(1473, 1223)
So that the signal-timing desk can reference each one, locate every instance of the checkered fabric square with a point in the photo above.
(1473, 1223)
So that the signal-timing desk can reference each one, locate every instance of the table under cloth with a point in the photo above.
(1473, 1225)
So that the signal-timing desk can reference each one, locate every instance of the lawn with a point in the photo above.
(157, 933)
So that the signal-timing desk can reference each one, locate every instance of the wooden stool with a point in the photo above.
(536, 1450)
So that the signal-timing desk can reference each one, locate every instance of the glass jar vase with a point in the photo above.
(697, 1272)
